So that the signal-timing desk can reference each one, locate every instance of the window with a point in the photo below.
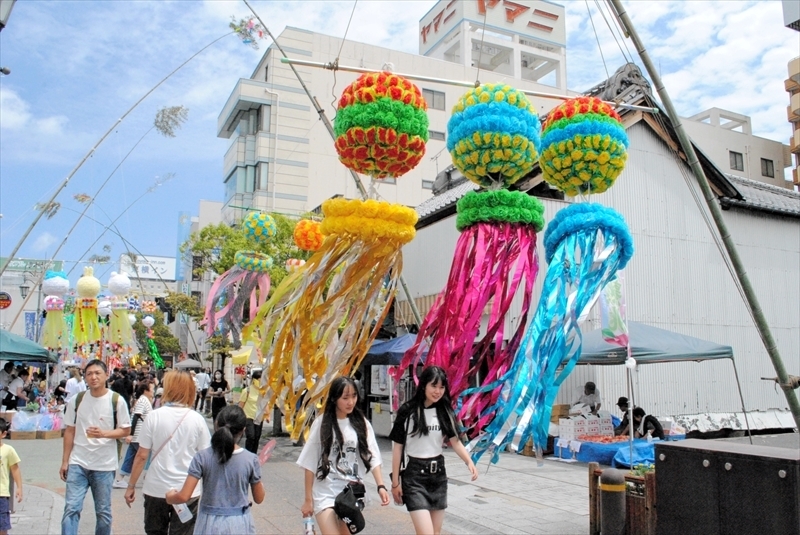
(434, 134)
(737, 162)
(435, 99)
(266, 73)
(427, 184)
(767, 168)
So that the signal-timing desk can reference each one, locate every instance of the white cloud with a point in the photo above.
(43, 242)
(14, 111)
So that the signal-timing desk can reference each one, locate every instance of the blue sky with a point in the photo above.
(78, 66)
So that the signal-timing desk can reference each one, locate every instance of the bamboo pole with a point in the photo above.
(691, 157)
(329, 128)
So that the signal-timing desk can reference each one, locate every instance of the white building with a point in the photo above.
(677, 279)
(23, 272)
(282, 159)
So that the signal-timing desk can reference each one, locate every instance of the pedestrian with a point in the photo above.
(248, 401)
(341, 445)
(174, 433)
(203, 382)
(6, 376)
(95, 420)
(60, 392)
(422, 425)
(123, 386)
(9, 464)
(145, 392)
(75, 384)
(17, 397)
(229, 474)
(218, 390)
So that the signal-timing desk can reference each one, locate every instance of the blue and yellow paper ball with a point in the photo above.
(493, 135)
(259, 226)
(585, 146)
(253, 261)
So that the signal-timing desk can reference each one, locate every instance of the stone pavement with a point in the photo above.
(515, 496)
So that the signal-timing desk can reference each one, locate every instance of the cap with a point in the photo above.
(348, 511)
(622, 401)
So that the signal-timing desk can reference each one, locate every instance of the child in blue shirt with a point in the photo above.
(229, 474)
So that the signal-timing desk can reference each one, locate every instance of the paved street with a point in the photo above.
(515, 497)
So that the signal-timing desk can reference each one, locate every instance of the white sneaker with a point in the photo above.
(120, 484)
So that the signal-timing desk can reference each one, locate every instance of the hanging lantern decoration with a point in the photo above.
(247, 280)
(293, 264)
(131, 319)
(152, 349)
(148, 321)
(86, 328)
(585, 146)
(54, 333)
(381, 125)
(493, 135)
(307, 235)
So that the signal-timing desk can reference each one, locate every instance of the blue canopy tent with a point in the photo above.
(390, 352)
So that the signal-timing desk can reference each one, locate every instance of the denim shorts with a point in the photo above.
(5, 514)
(424, 484)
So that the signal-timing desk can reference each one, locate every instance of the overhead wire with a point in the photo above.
(338, 55)
(480, 51)
(629, 57)
(597, 37)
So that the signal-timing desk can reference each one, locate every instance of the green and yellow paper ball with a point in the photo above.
(259, 226)
(493, 135)
(585, 146)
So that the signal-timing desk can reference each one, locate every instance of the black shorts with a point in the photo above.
(424, 484)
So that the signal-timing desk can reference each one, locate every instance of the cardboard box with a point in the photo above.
(606, 430)
(22, 435)
(47, 435)
(566, 428)
(606, 420)
(579, 424)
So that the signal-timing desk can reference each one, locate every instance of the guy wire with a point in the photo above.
(600, 8)
(597, 37)
(480, 51)
(336, 61)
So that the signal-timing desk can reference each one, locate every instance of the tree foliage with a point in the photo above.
(184, 304)
(216, 245)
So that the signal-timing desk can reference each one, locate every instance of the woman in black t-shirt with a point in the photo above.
(421, 426)
(217, 390)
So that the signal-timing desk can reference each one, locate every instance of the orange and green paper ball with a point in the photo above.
(585, 146)
(307, 235)
(381, 125)
(493, 135)
(259, 226)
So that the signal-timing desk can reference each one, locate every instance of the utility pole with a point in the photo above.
(691, 158)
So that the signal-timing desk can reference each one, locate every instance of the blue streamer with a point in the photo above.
(586, 244)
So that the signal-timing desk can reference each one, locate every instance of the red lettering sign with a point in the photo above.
(437, 21)
(514, 10)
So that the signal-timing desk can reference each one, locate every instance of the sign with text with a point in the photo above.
(31, 265)
(5, 300)
(534, 19)
(148, 267)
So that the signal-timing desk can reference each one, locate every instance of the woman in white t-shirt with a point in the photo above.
(74, 384)
(174, 433)
(421, 426)
(341, 446)
(145, 390)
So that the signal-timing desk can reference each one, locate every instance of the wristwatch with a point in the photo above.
(382, 487)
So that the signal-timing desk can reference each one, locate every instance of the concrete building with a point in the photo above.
(281, 159)
(23, 272)
(727, 138)
(678, 279)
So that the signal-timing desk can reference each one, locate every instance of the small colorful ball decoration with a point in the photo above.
(149, 307)
(381, 125)
(293, 264)
(259, 227)
(585, 146)
(307, 235)
(493, 135)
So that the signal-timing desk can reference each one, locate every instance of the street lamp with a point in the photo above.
(24, 288)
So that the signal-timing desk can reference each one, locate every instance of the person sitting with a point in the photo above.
(622, 428)
(644, 423)
(590, 397)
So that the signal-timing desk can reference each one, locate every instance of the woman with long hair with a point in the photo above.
(217, 391)
(143, 395)
(174, 433)
(229, 474)
(341, 446)
(422, 425)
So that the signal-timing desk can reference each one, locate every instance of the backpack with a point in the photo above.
(114, 400)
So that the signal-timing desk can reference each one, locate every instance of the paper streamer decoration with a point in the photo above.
(321, 320)
(584, 146)
(612, 312)
(247, 281)
(493, 135)
(585, 245)
(54, 332)
(86, 328)
(381, 125)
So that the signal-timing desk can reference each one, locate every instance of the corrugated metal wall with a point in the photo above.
(677, 280)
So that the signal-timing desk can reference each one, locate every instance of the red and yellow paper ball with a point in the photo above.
(585, 146)
(293, 264)
(381, 125)
(493, 135)
(259, 226)
(307, 235)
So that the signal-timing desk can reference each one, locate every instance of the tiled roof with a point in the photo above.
(445, 199)
(761, 196)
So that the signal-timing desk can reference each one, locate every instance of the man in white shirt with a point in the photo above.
(203, 381)
(5, 380)
(590, 397)
(89, 459)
